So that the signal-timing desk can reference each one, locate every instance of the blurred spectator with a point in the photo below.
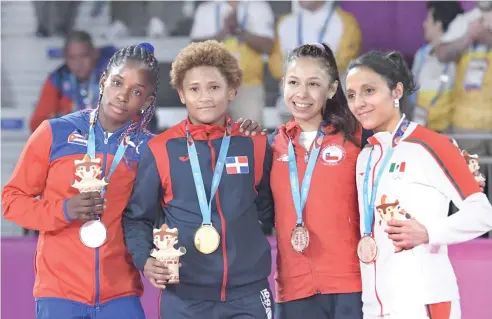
(55, 17)
(469, 41)
(433, 100)
(144, 18)
(75, 84)
(316, 22)
(247, 30)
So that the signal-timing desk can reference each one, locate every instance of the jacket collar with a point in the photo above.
(392, 139)
(293, 130)
(206, 131)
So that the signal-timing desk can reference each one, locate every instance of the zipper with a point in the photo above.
(375, 275)
(98, 283)
(223, 224)
(308, 250)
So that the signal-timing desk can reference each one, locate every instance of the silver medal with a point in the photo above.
(93, 234)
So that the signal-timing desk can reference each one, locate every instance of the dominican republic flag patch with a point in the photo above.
(397, 169)
(237, 165)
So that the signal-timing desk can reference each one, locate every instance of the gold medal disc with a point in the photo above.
(207, 239)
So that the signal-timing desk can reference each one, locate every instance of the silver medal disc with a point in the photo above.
(93, 234)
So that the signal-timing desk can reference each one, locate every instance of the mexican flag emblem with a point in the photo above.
(397, 169)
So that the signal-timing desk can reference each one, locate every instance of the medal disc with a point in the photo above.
(207, 239)
(299, 239)
(367, 250)
(93, 234)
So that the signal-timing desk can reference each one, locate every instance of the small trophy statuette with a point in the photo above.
(164, 240)
(88, 170)
(473, 164)
(93, 233)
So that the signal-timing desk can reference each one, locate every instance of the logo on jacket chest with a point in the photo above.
(76, 138)
(397, 169)
(332, 154)
(237, 165)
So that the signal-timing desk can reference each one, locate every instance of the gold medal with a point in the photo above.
(207, 239)
(367, 249)
(299, 238)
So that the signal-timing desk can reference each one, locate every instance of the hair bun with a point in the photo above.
(147, 46)
(397, 58)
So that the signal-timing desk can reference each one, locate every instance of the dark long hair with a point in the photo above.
(393, 68)
(336, 111)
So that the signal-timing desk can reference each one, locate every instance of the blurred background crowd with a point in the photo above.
(53, 53)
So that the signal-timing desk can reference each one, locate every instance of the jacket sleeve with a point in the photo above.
(47, 105)
(454, 179)
(28, 181)
(142, 209)
(264, 201)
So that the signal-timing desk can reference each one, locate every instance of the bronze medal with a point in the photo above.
(300, 238)
(207, 239)
(367, 249)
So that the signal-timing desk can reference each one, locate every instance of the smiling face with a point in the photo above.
(307, 86)
(206, 94)
(371, 100)
(127, 91)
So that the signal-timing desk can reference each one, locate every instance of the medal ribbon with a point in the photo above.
(300, 197)
(323, 30)
(206, 207)
(369, 205)
(91, 149)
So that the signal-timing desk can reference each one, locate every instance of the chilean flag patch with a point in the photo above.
(237, 165)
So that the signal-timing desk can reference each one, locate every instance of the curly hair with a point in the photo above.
(207, 53)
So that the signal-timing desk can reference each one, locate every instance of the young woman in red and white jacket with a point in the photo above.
(406, 177)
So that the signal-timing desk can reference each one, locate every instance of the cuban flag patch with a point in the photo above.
(237, 165)
(77, 138)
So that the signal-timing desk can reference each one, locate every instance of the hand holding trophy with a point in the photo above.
(165, 239)
(93, 233)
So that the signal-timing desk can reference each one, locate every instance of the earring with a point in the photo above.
(142, 112)
(396, 103)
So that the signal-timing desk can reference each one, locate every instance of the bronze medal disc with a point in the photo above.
(300, 238)
(367, 249)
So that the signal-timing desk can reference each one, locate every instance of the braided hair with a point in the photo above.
(143, 52)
